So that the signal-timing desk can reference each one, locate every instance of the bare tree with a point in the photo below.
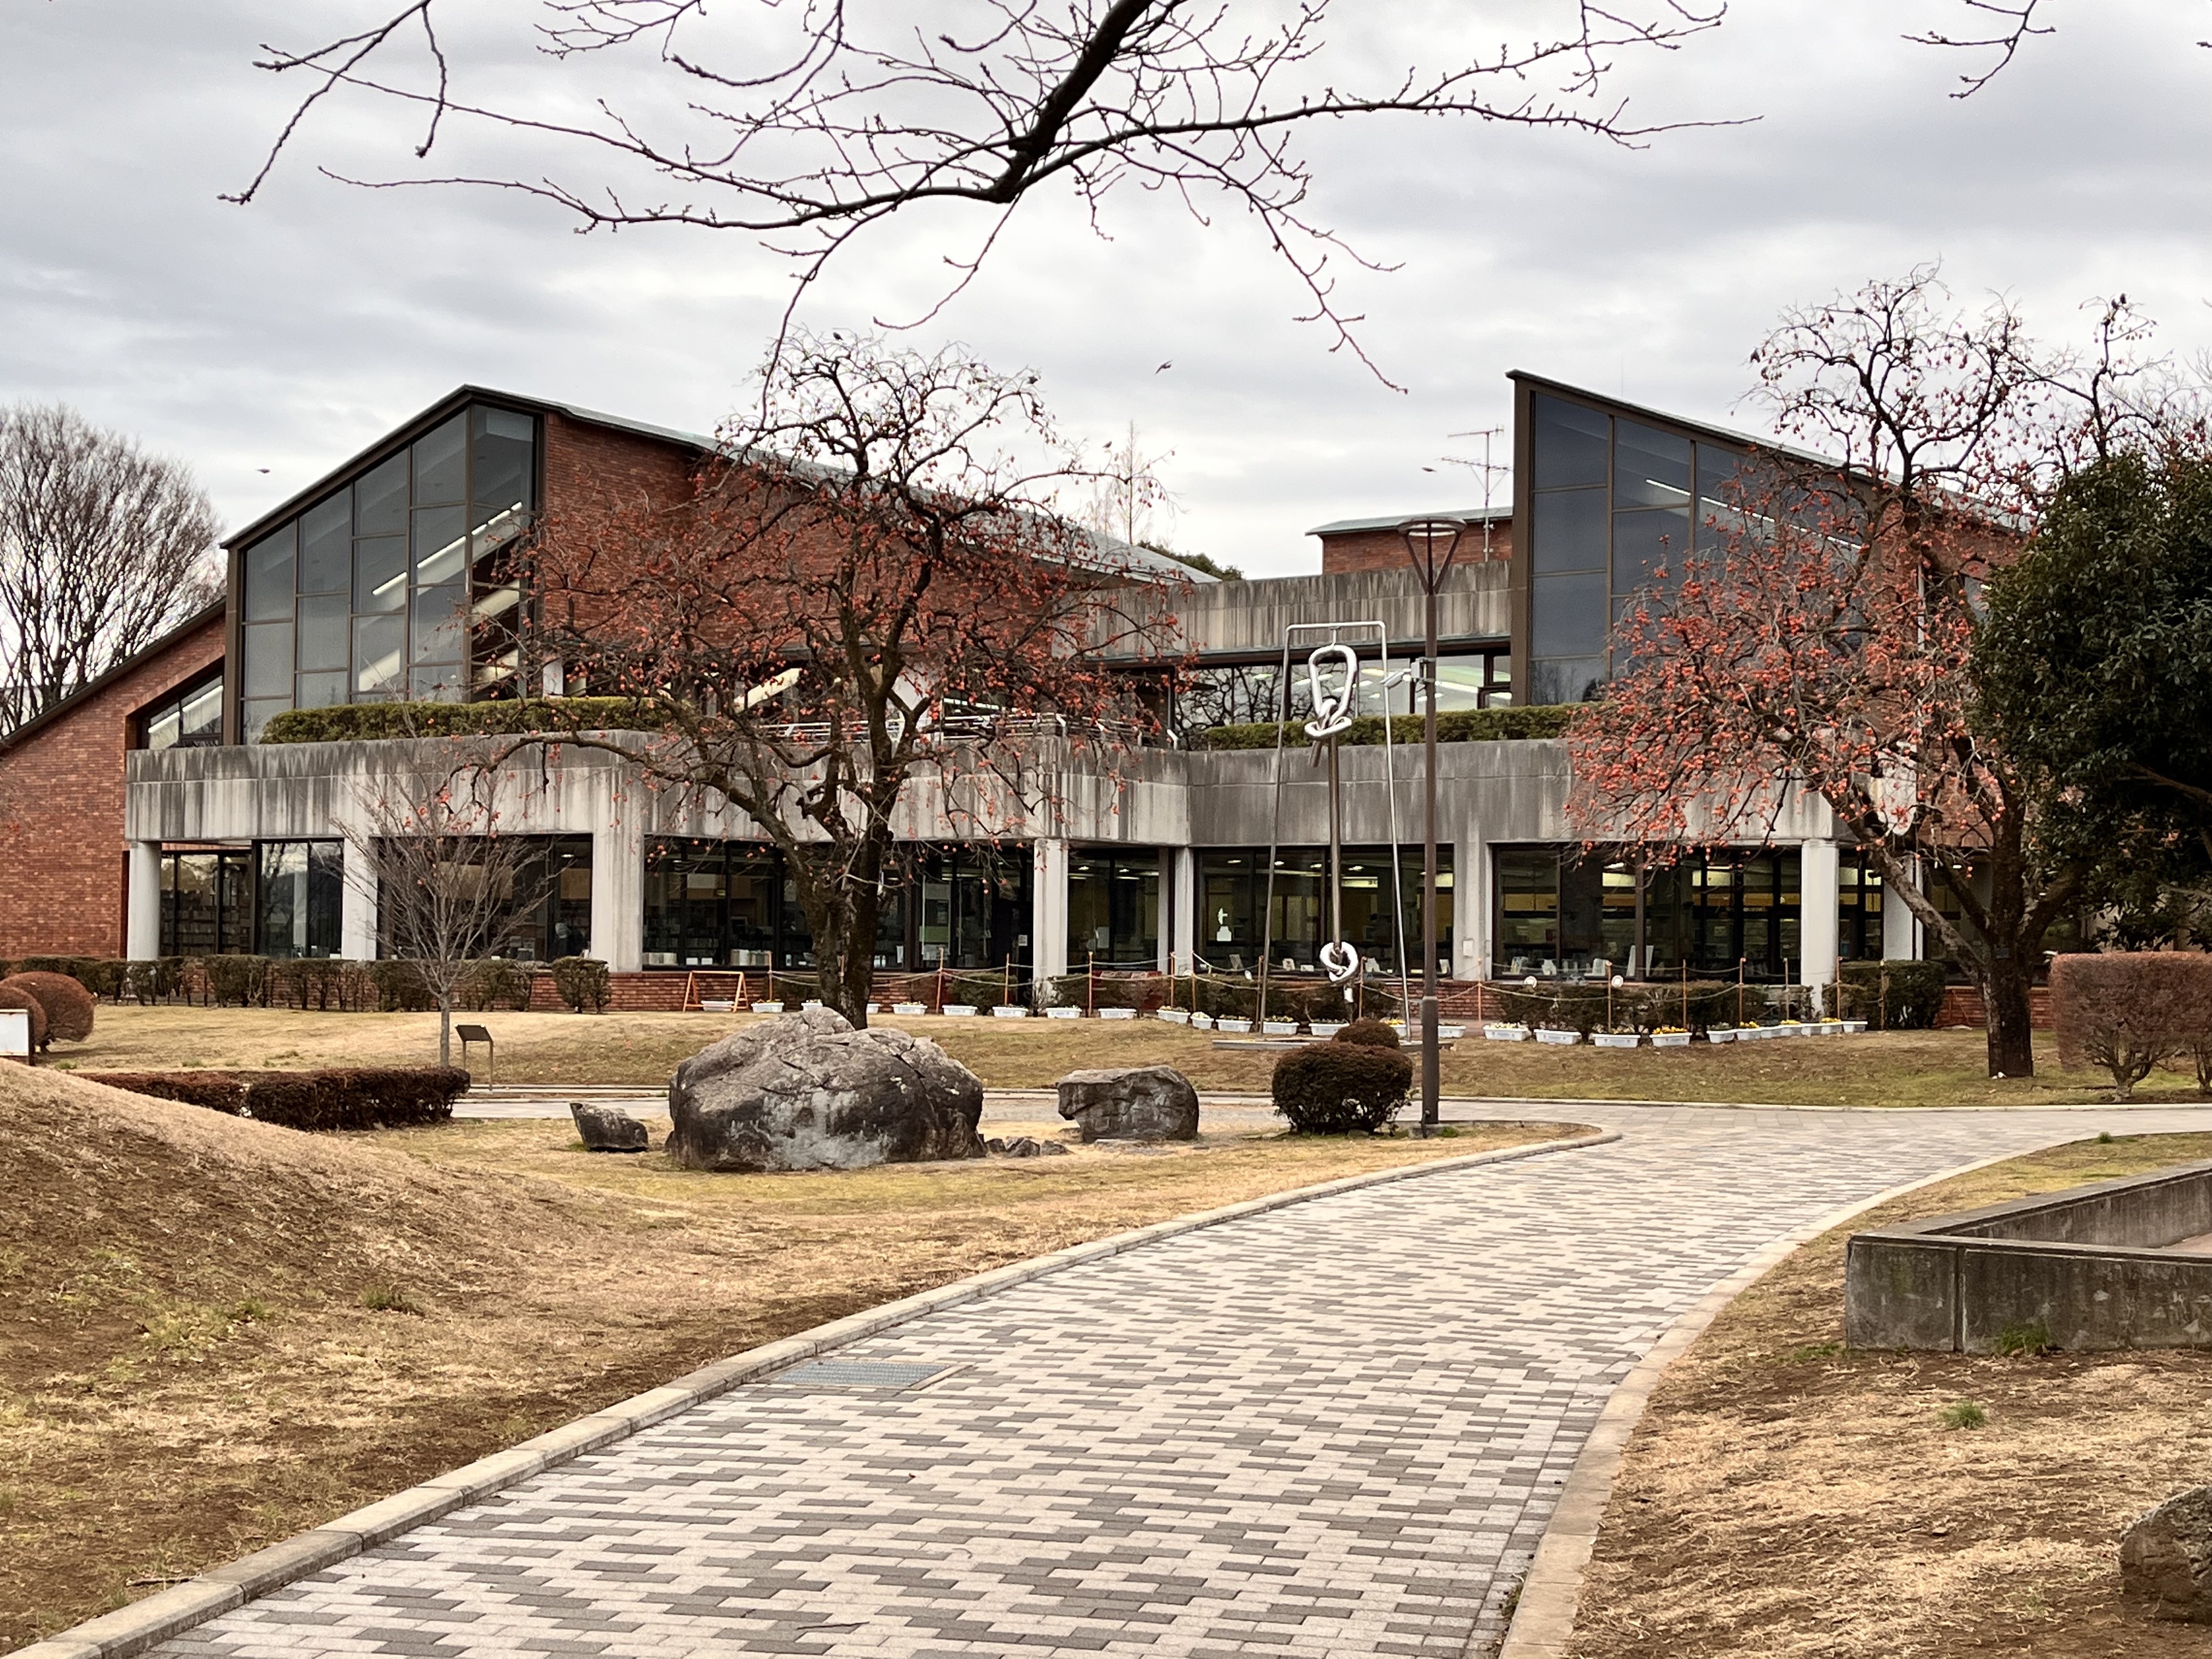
(874, 593)
(803, 124)
(426, 846)
(103, 549)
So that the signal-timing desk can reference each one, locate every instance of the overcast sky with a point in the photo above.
(262, 345)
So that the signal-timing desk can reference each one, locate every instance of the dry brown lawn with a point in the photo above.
(1905, 1068)
(216, 1332)
(1783, 1498)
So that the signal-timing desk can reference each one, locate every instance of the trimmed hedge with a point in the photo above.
(341, 1098)
(1341, 1088)
(1373, 1033)
(1460, 725)
(1915, 996)
(1644, 1005)
(355, 722)
(584, 983)
(69, 1006)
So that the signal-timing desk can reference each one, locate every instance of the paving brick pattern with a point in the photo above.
(1337, 1429)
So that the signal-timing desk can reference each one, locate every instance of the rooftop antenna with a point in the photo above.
(1488, 468)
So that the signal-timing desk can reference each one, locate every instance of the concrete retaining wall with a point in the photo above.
(2083, 1268)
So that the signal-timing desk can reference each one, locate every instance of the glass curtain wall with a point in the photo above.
(1561, 914)
(547, 900)
(1232, 895)
(733, 904)
(378, 591)
(1615, 505)
(1114, 908)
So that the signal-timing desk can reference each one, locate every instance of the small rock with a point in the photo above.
(607, 1128)
(1130, 1102)
(2165, 1558)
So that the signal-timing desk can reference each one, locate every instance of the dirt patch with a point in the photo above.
(217, 1332)
(1782, 1498)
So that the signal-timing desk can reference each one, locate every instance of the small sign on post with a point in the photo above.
(469, 1034)
(16, 1033)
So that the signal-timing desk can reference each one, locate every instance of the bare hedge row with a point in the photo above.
(2131, 1011)
(329, 983)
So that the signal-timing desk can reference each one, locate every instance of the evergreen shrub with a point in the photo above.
(1369, 1033)
(1341, 1088)
(68, 1005)
(12, 997)
(584, 983)
(339, 1098)
(1914, 997)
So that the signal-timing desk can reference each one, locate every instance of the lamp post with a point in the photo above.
(1430, 543)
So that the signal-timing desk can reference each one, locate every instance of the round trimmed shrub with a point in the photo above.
(13, 996)
(69, 1006)
(1368, 1033)
(1337, 1088)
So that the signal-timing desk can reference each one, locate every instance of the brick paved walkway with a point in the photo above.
(1335, 1428)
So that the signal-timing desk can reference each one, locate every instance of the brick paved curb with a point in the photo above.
(1551, 1594)
(170, 1612)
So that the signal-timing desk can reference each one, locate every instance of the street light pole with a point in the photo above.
(1430, 543)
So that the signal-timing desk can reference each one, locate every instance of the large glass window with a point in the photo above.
(1615, 506)
(1233, 898)
(207, 901)
(1114, 908)
(190, 719)
(395, 584)
(1468, 675)
(547, 899)
(301, 887)
(1561, 913)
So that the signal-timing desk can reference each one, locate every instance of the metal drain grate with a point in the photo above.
(858, 1374)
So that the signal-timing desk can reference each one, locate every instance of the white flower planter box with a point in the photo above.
(1560, 1039)
(1117, 1013)
(1175, 1016)
(1325, 1028)
(1827, 1028)
(959, 1011)
(909, 1009)
(1450, 1033)
(875, 1007)
(717, 1004)
(1232, 1025)
(1006, 1012)
(1670, 1039)
(1790, 1028)
(1506, 1033)
(768, 1007)
(1722, 1034)
(815, 1002)
(1063, 1013)
(1614, 1039)
(1853, 1027)
(1279, 1027)
(1201, 1022)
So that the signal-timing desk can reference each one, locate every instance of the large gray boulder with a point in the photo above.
(2165, 1558)
(1130, 1102)
(807, 1091)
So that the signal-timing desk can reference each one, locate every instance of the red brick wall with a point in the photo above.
(1385, 550)
(1962, 1005)
(595, 470)
(62, 853)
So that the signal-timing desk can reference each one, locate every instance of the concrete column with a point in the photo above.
(1183, 914)
(357, 908)
(1901, 929)
(143, 933)
(1471, 907)
(1048, 908)
(1817, 921)
(618, 892)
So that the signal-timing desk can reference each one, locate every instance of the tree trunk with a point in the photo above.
(2005, 1003)
(445, 1028)
(845, 948)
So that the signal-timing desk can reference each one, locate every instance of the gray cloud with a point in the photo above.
(285, 335)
